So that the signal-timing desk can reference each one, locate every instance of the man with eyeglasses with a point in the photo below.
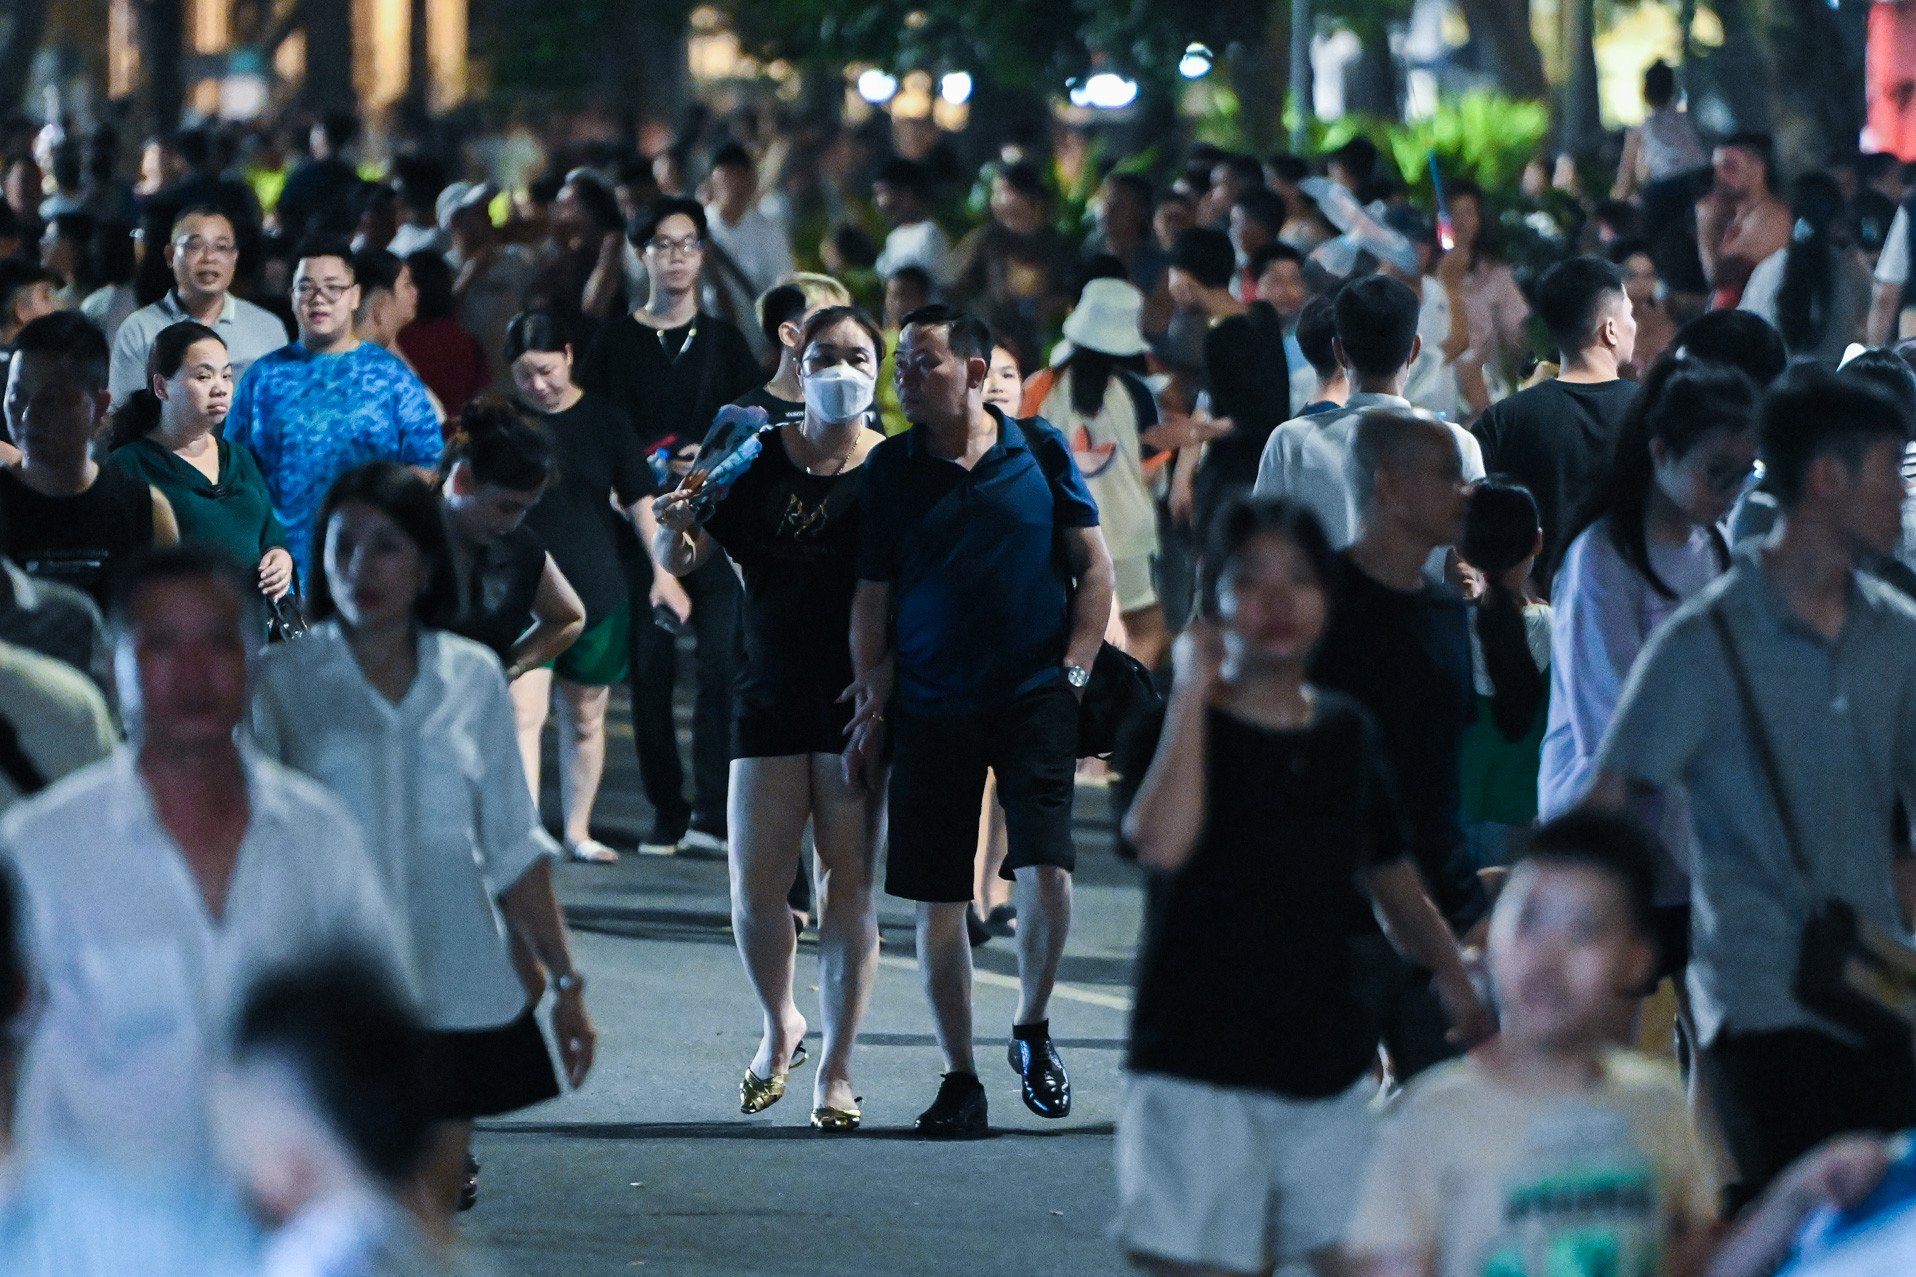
(670, 366)
(314, 409)
(203, 251)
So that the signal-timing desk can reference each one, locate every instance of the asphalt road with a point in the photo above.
(651, 1168)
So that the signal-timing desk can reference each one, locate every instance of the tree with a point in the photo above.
(21, 28)
(1501, 41)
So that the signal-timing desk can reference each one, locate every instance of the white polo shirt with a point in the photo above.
(249, 331)
(139, 982)
(439, 785)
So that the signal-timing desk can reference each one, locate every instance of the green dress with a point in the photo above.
(235, 514)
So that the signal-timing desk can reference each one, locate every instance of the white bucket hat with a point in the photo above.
(1107, 319)
(460, 196)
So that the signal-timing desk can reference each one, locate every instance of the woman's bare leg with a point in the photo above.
(768, 805)
(848, 827)
(531, 695)
(582, 754)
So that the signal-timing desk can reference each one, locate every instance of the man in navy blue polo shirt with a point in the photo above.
(984, 588)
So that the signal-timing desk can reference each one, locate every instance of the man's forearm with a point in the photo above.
(1882, 313)
(1091, 604)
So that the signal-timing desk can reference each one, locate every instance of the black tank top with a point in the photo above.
(495, 602)
(79, 539)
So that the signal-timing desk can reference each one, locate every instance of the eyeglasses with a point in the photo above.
(194, 246)
(306, 290)
(676, 247)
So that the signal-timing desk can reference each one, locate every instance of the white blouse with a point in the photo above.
(438, 786)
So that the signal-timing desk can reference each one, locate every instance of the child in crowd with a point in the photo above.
(323, 1114)
(1548, 1150)
(1510, 650)
(1270, 830)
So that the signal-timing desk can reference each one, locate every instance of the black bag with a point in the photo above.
(284, 620)
(1121, 689)
(1848, 970)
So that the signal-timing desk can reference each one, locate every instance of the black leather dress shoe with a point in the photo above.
(1047, 1087)
(958, 1113)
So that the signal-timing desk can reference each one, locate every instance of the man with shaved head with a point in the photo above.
(1399, 643)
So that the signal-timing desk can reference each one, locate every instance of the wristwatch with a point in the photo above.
(570, 982)
(1078, 676)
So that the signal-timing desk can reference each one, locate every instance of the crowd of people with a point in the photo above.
(1526, 640)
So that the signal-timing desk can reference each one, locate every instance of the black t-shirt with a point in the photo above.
(79, 539)
(794, 537)
(1245, 976)
(496, 593)
(1405, 657)
(1556, 439)
(1248, 376)
(598, 457)
(670, 383)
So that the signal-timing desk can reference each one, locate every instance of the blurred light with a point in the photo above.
(1196, 62)
(1106, 91)
(955, 87)
(875, 86)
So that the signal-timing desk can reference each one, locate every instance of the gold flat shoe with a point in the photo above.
(756, 1094)
(836, 1121)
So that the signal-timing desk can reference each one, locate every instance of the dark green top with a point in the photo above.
(235, 514)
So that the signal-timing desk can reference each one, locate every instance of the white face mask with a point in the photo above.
(839, 393)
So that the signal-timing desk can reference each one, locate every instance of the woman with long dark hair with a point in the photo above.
(1651, 539)
(1494, 307)
(1816, 291)
(167, 434)
(409, 725)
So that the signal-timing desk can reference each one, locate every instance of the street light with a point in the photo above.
(955, 87)
(1106, 91)
(1196, 62)
(876, 87)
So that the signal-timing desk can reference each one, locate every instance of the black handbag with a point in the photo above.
(284, 620)
(1120, 690)
(1849, 970)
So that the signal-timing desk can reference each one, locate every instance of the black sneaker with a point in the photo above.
(959, 1111)
(975, 929)
(1047, 1087)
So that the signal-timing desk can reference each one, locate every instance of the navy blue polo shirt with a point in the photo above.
(980, 601)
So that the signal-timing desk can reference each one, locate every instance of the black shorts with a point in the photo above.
(938, 787)
(810, 725)
(484, 1072)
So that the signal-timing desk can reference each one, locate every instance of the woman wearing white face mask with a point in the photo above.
(790, 524)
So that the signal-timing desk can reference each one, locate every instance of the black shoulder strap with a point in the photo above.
(14, 761)
(1760, 741)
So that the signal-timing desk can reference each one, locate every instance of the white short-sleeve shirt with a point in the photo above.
(440, 789)
(139, 981)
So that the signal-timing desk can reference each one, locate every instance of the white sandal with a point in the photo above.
(591, 852)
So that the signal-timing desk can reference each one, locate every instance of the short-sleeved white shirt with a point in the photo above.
(1892, 265)
(139, 981)
(440, 789)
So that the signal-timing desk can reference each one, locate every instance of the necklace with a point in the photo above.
(813, 468)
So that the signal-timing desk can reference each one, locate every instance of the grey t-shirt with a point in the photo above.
(1841, 719)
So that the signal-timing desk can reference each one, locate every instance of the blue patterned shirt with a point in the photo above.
(310, 418)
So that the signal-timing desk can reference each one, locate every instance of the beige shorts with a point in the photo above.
(1222, 1177)
(1137, 587)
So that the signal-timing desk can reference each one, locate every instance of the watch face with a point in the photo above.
(1077, 676)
